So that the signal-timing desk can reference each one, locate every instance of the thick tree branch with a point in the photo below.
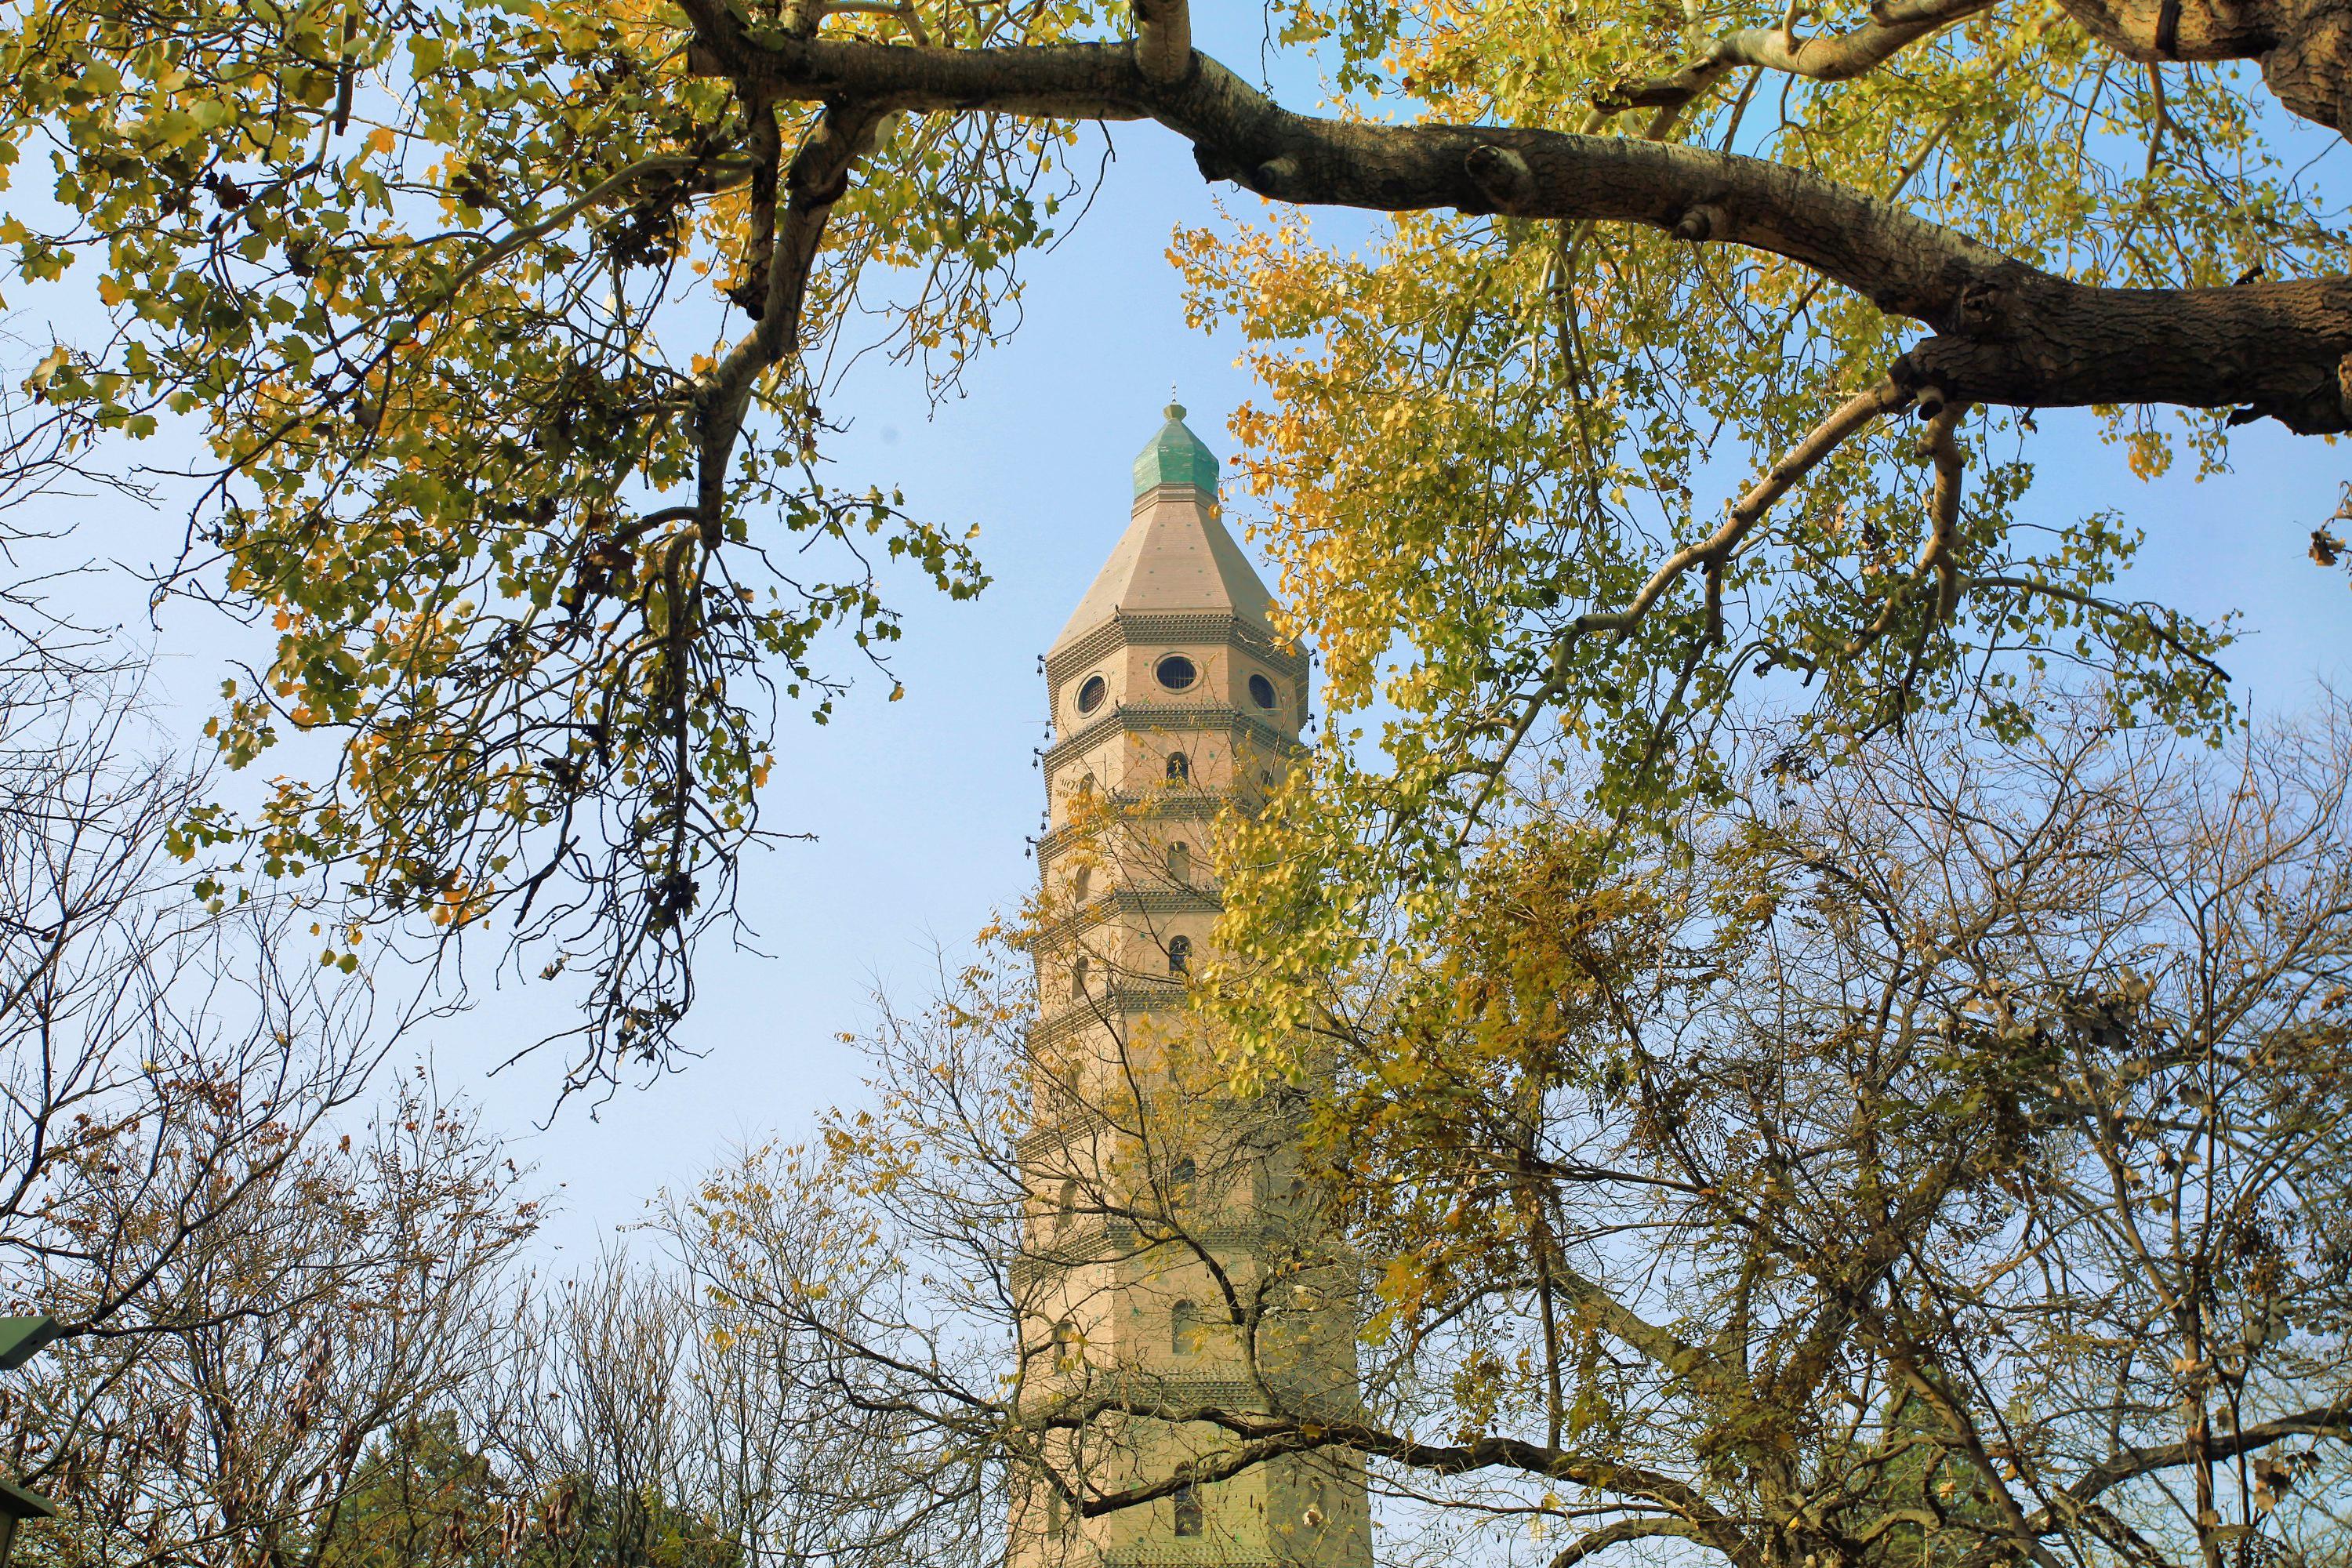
(2320, 1421)
(1266, 1436)
(2007, 334)
(1935, 549)
(1634, 1330)
(2304, 46)
(1163, 40)
(784, 246)
(1626, 1529)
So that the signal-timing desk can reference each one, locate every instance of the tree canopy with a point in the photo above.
(510, 328)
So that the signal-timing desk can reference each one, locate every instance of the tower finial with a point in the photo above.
(1175, 456)
(1174, 410)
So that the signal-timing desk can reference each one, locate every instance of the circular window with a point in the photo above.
(1261, 690)
(1091, 695)
(1176, 672)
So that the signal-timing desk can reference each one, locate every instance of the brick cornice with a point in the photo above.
(1123, 1003)
(1161, 718)
(1128, 628)
(1103, 907)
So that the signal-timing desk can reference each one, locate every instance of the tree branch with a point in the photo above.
(2305, 46)
(2319, 1421)
(783, 248)
(1720, 546)
(2137, 614)
(2008, 334)
(1626, 1529)
(1831, 56)
(1163, 40)
(1936, 549)
(1712, 553)
(1267, 1436)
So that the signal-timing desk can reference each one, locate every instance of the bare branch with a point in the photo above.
(1626, 1529)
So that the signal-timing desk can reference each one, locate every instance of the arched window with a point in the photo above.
(1065, 1345)
(1066, 1205)
(1180, 955)
(1078, 978)
(1082, 882)
(1181, 1177)
(1180, 768)
(1056, 1515)
(1180, 864)
(1184, 1328)
(1187, 1499)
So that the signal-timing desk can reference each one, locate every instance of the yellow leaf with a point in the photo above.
(380, 139)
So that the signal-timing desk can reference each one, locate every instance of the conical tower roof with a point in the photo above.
(1176, 557)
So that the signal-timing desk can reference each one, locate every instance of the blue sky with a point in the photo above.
(922, 807)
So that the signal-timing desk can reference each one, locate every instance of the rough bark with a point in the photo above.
(2004, 333)
(2304, 46)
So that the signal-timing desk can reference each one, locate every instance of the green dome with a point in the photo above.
(1175, 456)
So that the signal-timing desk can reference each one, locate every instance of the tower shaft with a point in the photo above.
(1172, 1260)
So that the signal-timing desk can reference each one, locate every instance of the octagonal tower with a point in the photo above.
(1173, 1258)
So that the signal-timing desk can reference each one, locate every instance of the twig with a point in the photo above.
(1724, 542)
(1714, 552)
(2132, 613)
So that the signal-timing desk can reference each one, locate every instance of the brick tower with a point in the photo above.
(1171, 1259)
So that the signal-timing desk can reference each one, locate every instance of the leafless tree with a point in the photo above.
(339, 1293)
(161, 1060)
(251, 1276)
(1944, 1162)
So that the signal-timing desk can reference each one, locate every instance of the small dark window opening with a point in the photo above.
(1180, 768)
(1180, 864)
(1181, 1177)
(1082, 882)
(1078, 978)
(1187, 1499)
(1184, 1328)
(1057, 1518)
(1066, 1205)
(1091, 693)
(1180, 955)
(1065, 1345)
(1261, 690)
(1176, 672)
